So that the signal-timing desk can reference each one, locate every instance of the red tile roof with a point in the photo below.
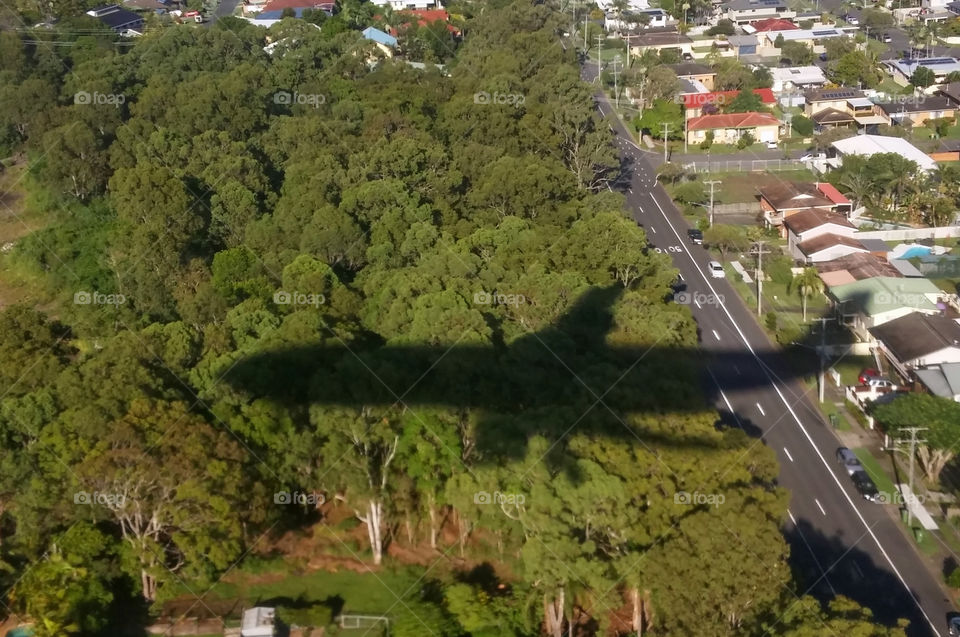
(774, 24)
(732, 120)
(426, 17)
(831, 193)
(720, 98)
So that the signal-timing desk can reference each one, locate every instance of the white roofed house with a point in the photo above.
(745, 11)
(867, 145)
(799, 77)
(902, 70)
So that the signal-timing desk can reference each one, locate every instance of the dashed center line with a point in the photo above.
(715, 335)
(819, 506)
(788, 454)
(761, 409)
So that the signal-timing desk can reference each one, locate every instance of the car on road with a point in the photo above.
(811, 155)
(868, 373)
(772, 145)
(852, 19)
(886, 37)
(849, 461)
(716, 270)
(865, 486)
(953, 623)
(696, 235)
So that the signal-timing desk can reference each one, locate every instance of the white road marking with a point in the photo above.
(726, 402)
(819, 506)
(806, 434)
(792, 519)
(761, 409)
(788, 454)
(736, 369)
(715, 335)
(654, 229)
(696, 302)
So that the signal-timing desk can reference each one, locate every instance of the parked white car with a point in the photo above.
(716, 270)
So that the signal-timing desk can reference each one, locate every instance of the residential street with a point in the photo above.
(840, 543)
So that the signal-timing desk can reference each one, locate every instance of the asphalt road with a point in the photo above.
(840, 543)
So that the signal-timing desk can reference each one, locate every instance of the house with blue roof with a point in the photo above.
(384, 41)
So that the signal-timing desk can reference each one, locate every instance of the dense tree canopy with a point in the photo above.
(320, 271)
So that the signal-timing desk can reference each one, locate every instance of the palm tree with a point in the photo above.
(619, 8)
(806, 284)
(858, 186)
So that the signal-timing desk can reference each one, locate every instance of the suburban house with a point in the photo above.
(841, 106)
(786, 199)
(809, 223)
(809, 37)
(919, 110)
(917, 340)
(695, 73)
(399, 5)
(951, 91)
(258, 622)
(729, 128)
(666, 39)
(632, 5)
(694, 104)
(384, 41)
(872, 302)
(422, 18)
(941, 380)
(947, 150)
(746, 11)
(772, 24)
(743, 44)
(117, 19)
(273, 9)
(797, 77)
(854, 267)
(902, 70)
(829, 246)
(658, 18)
(867, 145)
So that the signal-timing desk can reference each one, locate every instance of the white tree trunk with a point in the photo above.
(432, 509)
(374, 520)
(553, 613)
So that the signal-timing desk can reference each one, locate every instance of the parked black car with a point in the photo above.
(695, 235)
(865, 486)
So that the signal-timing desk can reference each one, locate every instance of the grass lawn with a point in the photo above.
(361, 593)
(850, 366)
(875, 471)
(741, 187)
(829, 409)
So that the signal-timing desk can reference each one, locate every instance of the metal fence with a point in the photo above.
(746, 165)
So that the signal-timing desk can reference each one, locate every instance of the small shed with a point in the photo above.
(258, 622)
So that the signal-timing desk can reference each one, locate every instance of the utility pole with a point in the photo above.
(666, 128)
(616, 91)
(759, 250)
(822, 352)
(586, 21)
(711, 183)
(913, 431)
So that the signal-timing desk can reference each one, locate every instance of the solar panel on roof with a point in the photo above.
(830, 32)
(938, 61)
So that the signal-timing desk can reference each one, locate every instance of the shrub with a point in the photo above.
(953, 579)
(802, 126)
(770, 320)
(745, 140)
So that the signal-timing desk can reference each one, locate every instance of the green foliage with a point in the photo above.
(723, 27)
(940, 417)
(744, 102)
(725, 238)
(802, 126)
(953, 579)
(313, 615)
(690, 192)
(922, 77)
(707, 140)
(662, 112)
(798, 53)
(770, 320)
(745, 140)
